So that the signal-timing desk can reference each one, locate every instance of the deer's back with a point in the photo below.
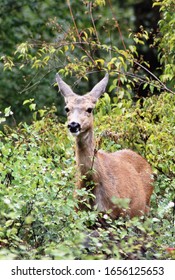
(123, 174)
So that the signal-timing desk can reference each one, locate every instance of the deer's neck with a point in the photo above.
(85, 147)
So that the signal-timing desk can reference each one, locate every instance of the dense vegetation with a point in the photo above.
(37, 166)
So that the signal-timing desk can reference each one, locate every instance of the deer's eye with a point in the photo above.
(89, 110)
(67, 109)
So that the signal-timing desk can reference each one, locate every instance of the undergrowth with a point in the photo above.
(37, 181)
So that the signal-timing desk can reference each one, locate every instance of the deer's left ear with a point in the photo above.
(99, 88)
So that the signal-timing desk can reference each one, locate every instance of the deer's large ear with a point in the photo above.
(65, 89)
(99, 88)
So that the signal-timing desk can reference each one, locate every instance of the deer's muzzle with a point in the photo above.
(74, 127)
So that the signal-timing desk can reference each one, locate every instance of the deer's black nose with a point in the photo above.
(74, 127)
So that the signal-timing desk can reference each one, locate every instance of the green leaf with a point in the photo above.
(8, 112)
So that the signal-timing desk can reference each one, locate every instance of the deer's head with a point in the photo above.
(79, 108)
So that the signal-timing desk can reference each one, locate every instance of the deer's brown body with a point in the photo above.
(123, 174)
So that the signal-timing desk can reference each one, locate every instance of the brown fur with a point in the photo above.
(123, 174)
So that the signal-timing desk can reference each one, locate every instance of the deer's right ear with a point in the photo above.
(65, 89)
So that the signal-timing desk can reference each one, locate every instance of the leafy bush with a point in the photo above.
(38, 219)
(166, 51)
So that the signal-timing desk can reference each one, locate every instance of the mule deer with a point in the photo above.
(122, 175)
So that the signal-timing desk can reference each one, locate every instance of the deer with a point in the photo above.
(123, 174)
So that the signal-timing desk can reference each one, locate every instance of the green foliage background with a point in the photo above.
(37, 166)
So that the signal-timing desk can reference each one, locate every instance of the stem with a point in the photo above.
(73, 19)
(93, 23)
(87, 53)
(29, 86)
(154, 76)
(117, 25)
(78, 35)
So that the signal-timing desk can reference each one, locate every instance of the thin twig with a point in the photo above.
(78, 35)
(154, 76)
(117, 25)
(73, 19)
(93, 23)
(38, 82)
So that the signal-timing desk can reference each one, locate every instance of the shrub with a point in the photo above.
(37, 180)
